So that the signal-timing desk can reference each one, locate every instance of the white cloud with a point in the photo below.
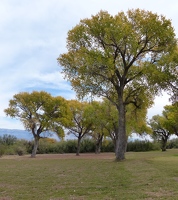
(33, 34)
(158, 106)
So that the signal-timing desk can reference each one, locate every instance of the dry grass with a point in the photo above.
(148, 175)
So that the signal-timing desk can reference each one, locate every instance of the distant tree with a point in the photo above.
(122, 58)
(163, 127)
(171, 113)
(172, 82)
(81, 121)
(8, 139)
(98, 118)
(135, 117)
(40, 113)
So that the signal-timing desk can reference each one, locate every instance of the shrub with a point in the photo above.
(107, 146)
(60, 147)
(139, 145)
(2, 150)
(20, 150)
(7, 139)
(172, 144)
(71, 146)
(10, 150)
(87, 146)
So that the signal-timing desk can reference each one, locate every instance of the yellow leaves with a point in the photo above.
(121, 56)
(48, 140)
(167, 121)
(39, 111)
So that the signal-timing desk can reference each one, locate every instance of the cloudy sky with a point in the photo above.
(33, 34)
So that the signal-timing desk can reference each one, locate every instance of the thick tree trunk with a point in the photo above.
(36, 142)
(78, 146)
(121, 139)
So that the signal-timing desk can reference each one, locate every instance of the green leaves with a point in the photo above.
(106, 52)
(39, 112)
(121, 58)
(166, 124)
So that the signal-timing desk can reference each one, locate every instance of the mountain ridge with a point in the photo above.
(20, 134)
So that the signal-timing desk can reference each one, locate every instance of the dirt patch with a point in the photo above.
(160, 194)
(73, 156)
(64, 156)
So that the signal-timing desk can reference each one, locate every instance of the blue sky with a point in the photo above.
(33, 34)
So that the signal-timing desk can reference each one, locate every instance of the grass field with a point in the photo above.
(148, 175)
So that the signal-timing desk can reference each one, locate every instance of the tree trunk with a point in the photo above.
(121, 139)
(36, 142)
(98, 144)
(163, 144)
(78, 146)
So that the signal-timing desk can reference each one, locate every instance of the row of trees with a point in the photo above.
(127, 59)
(41, 113)
(88, 145)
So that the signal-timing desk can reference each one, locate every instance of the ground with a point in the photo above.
(65, 156)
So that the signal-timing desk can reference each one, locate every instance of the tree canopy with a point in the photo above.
(171, 113)
(121, 58)
(165, 125)
(39, 112)
(81, 121)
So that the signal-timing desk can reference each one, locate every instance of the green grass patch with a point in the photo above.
(143, 175)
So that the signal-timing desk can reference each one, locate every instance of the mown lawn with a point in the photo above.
(148, 175)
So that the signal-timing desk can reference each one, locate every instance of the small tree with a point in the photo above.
(171, 112)
(81, 122)
(135, 117)
(98, 118)
(40, 113)
(162, 129)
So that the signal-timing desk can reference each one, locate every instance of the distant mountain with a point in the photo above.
(26, 135)
(23, 134)
(20, 134)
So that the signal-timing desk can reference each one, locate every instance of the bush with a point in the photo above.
(172, 144)
(71, 146)
(20, 150)
(60, 147)
(107, 146)
(139, 145)
(87, 146)
(2, 150)
(7, 139)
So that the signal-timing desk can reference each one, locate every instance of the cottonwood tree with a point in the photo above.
(98, 118)
(172, 82)
(81, 122)
(161, 132)
(136, 119)
(40, 113)
(119, 57)
(165, 125)
(171, 113)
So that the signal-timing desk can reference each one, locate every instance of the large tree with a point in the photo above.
(40, 113)
(116, 56)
